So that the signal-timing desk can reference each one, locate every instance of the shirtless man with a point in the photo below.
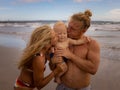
(83, 60)
(64, 42)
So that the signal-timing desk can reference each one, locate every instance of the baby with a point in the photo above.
(64, 42)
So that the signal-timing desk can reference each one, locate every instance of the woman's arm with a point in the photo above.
(38, 72)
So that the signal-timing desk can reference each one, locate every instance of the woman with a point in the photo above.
(32, 63)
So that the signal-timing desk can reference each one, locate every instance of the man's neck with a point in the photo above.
(80, 37)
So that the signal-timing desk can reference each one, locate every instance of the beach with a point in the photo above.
(107, 77)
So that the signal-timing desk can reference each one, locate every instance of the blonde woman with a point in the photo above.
(33, 60)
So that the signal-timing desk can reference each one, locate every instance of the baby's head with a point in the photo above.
(59, 27)
(60, 30)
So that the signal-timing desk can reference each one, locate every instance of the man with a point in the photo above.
(83, 60)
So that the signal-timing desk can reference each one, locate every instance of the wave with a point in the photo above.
(115, 29)
(104, 36)
(32, 25)
(112, 47)
(20, 24)
(107, 27)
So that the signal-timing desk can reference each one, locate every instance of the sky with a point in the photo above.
(103, 10)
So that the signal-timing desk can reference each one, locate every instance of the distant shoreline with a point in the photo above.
(49, 21)
(30, 21)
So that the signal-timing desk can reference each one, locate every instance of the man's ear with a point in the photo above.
(84, 30)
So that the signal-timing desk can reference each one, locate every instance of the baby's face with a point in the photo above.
(61, 33)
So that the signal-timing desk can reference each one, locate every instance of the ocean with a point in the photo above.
(107, 34)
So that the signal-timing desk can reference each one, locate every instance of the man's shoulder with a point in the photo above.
(94, 43)
(92, 40)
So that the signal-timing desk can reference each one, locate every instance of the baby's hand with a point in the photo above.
(56, 60)
(86, 39)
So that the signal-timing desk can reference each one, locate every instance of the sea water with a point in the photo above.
(108, 35)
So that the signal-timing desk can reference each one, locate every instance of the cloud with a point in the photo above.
(4, 8)
(115, 12)
(79, 1)
(32, 1)
(112, 15)
(29, 1)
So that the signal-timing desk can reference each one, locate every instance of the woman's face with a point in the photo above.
(54, 38)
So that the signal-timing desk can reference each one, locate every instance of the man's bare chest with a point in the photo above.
(80, 51)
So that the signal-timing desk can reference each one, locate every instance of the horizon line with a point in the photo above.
(52, 20)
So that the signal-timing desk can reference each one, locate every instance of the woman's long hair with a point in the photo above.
(39, 39)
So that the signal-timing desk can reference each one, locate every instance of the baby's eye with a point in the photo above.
(59, 33)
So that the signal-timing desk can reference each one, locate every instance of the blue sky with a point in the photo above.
(58, 9)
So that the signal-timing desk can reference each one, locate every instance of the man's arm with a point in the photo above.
(91, 64)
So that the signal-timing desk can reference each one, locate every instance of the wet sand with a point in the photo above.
(107, 77)
(8, 69)
(9, 58)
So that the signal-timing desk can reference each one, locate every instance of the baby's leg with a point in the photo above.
(57, 78)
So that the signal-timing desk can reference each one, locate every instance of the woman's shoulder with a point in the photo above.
(38, 57)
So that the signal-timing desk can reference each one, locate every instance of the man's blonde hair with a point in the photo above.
(39, 39)
(83, 17)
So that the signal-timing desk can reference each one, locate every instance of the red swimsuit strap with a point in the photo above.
(24, 84)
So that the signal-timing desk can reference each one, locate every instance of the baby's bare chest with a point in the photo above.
(62, 45)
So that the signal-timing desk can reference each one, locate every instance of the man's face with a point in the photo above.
(74, 29)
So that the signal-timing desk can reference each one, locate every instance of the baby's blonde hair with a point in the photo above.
(59, 23)
(39, 39)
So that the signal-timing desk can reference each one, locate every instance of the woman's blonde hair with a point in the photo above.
(83, 17)
(39, 39)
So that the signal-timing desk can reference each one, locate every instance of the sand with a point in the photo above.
(8, 69)
(107, 77)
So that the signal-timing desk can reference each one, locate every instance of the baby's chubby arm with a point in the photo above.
(79, 41)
